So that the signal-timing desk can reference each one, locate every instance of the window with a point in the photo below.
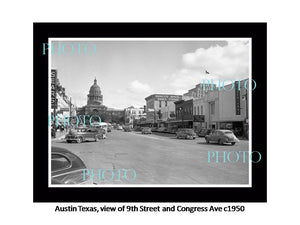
(166, 103)
(59, 162)
(198, 110)
(195, 110)
(212, 108)
(201, 109)
(159, 104)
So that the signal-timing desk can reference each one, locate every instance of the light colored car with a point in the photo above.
(119, 127)
(146, 130)
(85, 134)
(222, 137)
(186, 133)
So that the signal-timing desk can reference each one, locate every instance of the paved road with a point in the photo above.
(161, 159)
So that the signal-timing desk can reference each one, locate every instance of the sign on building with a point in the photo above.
(53, 89)
(198, 118)
(237, 99)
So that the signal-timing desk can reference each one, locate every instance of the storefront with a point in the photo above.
(236, 126)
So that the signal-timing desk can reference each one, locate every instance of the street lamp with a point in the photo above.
(181, 112)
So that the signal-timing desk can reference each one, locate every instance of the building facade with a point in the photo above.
(224, 107)
(160, 108)
(134, 115)
(94, 103)
(184, 113)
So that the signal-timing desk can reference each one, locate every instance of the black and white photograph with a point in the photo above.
(134, 112)
(150, 112)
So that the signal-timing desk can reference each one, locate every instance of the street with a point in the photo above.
(161, 159)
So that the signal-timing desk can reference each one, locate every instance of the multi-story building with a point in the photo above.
(94, 103)
(184, 113)
(161, 108)
(199, 91)
(230, 109)
(133, 115)
(225, 107)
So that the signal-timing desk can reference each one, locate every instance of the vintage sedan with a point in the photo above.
(204, 132)
(221, 137)
(119, 127)
(82, 134)
(127, 128)
(67, 168)
(146, 130)
(186, 133)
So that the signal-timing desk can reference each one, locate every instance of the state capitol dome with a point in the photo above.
(94, 96)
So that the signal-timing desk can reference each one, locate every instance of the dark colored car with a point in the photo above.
(67, 168)
(127, 128)
(172, 130)
(109, 128)
(137, 128)
(203, 132)
(146, 130)
(186, 133)
(162, 129)
(222, 137)
(154, 129)
(84, 134)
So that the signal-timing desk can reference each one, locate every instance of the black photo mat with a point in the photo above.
(256, 31)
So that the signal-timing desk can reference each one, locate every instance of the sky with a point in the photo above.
(128, 71)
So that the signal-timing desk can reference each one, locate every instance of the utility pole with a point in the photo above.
(70, 107)
(70, 111)
(181, 112)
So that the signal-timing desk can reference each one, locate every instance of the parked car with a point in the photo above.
(146, 130)
(154, 129)
(203, 132)
(119, 127)
(137, 128)
(84, 134)
(127, 128)
(67, 168)
(222, 137)
(186, 133)
(162, 129)
(173, 130)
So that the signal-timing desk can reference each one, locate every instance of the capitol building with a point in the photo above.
(95, 106)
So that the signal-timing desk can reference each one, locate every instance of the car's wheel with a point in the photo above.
(207, 141)
(232, 143)
(69, 141)
(220, 141)
(79, 140)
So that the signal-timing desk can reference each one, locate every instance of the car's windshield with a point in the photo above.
(227, 132)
